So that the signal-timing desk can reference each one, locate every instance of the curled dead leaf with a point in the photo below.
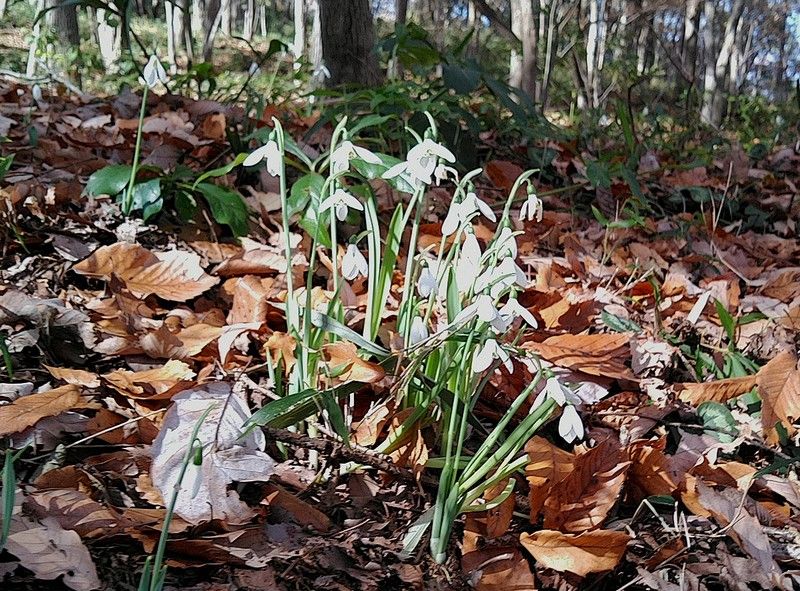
(344, 362)
(589, 552)
(28, 410)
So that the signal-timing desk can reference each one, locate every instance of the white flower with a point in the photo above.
(442, 172)
(501, 277)
(532, 208)
(154, 72)
(483, 357)
(345, 152)
(505, 245)
(469, 263)
(269, 152)
(421, 163)
(460, 213)
(354, 263)
(426, 283)
(570, 426)
(341, 201)
(510, 312)
(419, 331)
(483, 307)
(192, 479)
(559, 392)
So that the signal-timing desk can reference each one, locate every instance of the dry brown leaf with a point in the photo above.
(183, 344)
(159, 383)
(779, 386)
(649, 471)
(343, 361)
(548, 466)
(496, 565)
(412, 451)
(74, 510)
(249, 300)
(589, 552)
(76, 377)
(279, 499)
(281, 346)
(595, 354)
(174, 275)
(716, 391)
(28, 410)
(584, 498)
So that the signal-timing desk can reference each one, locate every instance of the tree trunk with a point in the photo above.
(64, 20)
(595, 49)
(2, 8)
(173, 35)
(299, 18)
(348, 39)
(780, 90)
(691, 24)
(401, 12)
(109, 41)
(716, 70)
(225, 19)
(211, 15)
(249, 19)
(523, 66)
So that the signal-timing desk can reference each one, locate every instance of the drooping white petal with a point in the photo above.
(255, 156)
(570, 426)
(477, 204)
(365, 155)
(532, 208)
(341, 201)
(396, 170)
(486, 310)
(419, 331)
(354, 263)
(506, 244)
(426, 283)
(484, 356)
(154, 72)
(269, 152)
(341, 211)
(452, 220)
(513, 310)
(556, 390)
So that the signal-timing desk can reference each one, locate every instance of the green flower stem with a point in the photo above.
(127, 201)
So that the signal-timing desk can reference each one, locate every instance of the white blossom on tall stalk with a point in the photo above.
(505, 245)
(500, 277)
(483, 357)
(345, 152)
(341, 201)
(570, 426)
(483, 307)
(269, 152)
(421, 163)
(154, 72)
(419, 331)
(510, 311)
(354, 263)
(460, 213)
(532, 209)
(426, 282)
(468, 265)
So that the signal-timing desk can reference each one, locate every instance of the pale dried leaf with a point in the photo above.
(28, 410)
(589, 552)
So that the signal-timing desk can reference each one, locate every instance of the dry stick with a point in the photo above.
(338, 452)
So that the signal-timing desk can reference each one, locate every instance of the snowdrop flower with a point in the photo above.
(558, 392)
(570, 426)
(483, 307)
(419, 331)
(506, 244)
(154, 73)
(483, 358)
(192, 479)
(421, 163)
(341, 201)
(509, 313)
(501, 277)
(532, 208)
(345, 152)
(269, 152)
(469, 262)
(459, 213)
(426, 282)
(354, 263)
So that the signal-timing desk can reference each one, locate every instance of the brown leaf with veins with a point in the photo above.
(28, 410)
(76, 377)
(589, 552)
(716, 391)
(499, 565)
(595, 354)
(159, 383)
(779, 386)
(548, 466)
(173, 275)
(343, 357)
(584, 498)
(76, 511)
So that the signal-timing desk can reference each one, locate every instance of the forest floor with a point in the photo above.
(681, 330)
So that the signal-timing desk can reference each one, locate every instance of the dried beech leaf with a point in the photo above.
(28, 410)
(548, 466)
(779, 386)
(589, 552)
(155, 384)
(596, 354)
(582, 501)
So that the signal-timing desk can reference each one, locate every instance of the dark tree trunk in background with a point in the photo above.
(348, 39)
(64, 20)
(401, 11)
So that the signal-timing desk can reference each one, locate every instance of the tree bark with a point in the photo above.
(595, 49)
(109, 41)
(716, 70)
(348, 39)
(299, 19)
(63, 18)
(401, 12)
(523, 66)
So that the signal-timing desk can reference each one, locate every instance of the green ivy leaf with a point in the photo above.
(619, 324)
(227, 207)
(147, 197)
(306, 187)
(718, 420)
(109, 180)
(462, 80)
